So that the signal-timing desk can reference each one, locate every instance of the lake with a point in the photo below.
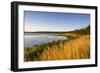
(31, 39)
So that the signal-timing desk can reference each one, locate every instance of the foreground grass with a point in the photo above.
(77, 47)
(73, 49)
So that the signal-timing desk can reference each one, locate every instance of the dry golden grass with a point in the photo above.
(74, 49)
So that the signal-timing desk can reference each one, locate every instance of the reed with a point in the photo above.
(73, 49)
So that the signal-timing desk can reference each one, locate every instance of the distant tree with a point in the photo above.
(82, 31)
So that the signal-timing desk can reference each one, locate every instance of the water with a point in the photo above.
(31, 39)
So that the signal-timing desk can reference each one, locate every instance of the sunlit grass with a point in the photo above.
(73, 49)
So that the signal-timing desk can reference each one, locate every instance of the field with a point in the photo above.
(76, 47)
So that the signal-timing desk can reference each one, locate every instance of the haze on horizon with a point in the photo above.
(36, 21)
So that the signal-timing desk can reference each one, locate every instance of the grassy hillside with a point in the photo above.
(76, 47)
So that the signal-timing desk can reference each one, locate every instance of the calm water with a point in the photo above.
(32, 39)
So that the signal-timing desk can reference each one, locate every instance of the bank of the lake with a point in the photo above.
(31, 39)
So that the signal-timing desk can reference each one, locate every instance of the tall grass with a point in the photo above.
(73, 49)
(76, 48)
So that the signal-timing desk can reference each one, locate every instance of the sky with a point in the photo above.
(36, 21)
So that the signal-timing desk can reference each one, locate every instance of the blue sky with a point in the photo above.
(54, 21)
